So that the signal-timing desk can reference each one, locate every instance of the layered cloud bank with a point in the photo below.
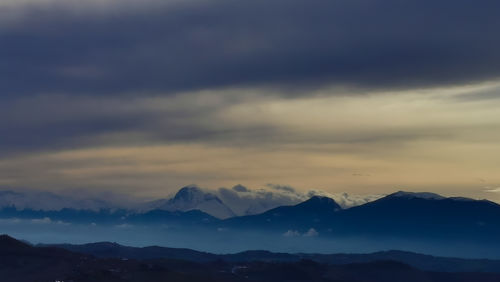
(104, 47)
(441, 140)
(141, 97)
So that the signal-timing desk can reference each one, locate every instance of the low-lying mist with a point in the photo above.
(222, 241)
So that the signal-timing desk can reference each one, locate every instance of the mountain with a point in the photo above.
(221, 203)
(423, 262)
(20, 262)
(110, 217)
(114, 250)
(9, 244)
(420, 195)
(418, 222)
(314, 213)
(193, 198)
(65, 215)
(424, 215)
(406, 216)
(40, 200)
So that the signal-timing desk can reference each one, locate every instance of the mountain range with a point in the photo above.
(422, 222)
(42, 200)
(399, 214)
(221, 203)
(423, 262)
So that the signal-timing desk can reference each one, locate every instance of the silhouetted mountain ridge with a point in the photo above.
(23, 262)
(420, 261)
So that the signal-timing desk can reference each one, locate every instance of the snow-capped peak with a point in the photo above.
(192, 195)
(194, 198)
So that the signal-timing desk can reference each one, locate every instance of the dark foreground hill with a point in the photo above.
(423, 262)
(22, 262)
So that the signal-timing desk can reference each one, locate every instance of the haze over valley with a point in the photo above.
(419, 222)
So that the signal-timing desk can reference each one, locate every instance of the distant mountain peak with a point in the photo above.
(187, 193)
(321, 202)
(193, 197)
(49, 201)
(194, 194)
(419, 195)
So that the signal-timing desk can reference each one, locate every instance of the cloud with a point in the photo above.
(249, 201)
(357, 174)
(254, 201)
(346, 200)
(124, 226)
(294, 233)
(291, 233)
(311, 233)
(283, 188)
(47, 220)
(239, 117)
(240, 188)
(114, 47)
(493, 190)
(107, 93)
(145, 136)
(44, 220)
(37, 221)
(61, 121)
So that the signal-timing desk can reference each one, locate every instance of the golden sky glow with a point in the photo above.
(442, 140)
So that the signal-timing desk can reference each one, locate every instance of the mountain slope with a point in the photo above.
(20, 262)
(402, 215)
(114, 250)
(316, 212)
(424, 215)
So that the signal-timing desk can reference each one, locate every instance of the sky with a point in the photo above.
(144, 97)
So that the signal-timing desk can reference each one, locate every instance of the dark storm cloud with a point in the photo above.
(80, 57)
(290, 44)
(65, 122)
